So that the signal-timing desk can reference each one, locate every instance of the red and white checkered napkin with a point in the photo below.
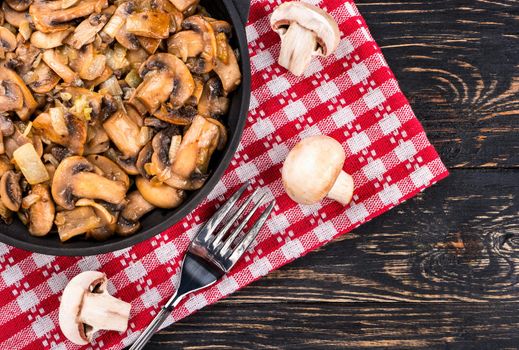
(351, 96)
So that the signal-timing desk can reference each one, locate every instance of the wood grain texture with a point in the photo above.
(441, 270)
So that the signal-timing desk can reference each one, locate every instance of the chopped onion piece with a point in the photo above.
(57, 119)
(30, 164)
(112, 87)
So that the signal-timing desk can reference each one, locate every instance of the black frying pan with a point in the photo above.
(235, 12)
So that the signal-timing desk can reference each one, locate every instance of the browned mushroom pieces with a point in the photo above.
(212, 102)
(94, 68)
(229, 73)
(13, 17)
(183, 5)
(124, 133)
(10, 190)
(71, 223)
(127, 39)
(29, 103)
(72, 133)
(151, 45)
(49, 40)
(19, 5)
(117, 21)
(219, 26)
(5, 165)
(206, 60)
(97, 140)
(161, 196)
(47, 79)
(178, 116)
(185, 44)
(5, 214)
(150, 24)
(47, 19)
(160, 160)
(126, 163)
(41, 213)
(144, 158)
(7, 40)
(136, 207)
(86, 31)
(11, 96)
(57, 64)
(110, 169)
(222, 139)
(154, 90)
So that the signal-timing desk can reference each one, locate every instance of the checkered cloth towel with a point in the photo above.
(351, 96)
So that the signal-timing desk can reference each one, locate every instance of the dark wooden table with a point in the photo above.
(442, 270)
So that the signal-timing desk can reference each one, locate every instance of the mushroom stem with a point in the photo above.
(103, 311)
(342, 189)
(297, 48)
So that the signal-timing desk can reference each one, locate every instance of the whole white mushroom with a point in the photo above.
(313, 171)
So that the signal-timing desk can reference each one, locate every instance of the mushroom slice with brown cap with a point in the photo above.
(29, 103)
(306, 31)
(108, 220)
(124, 133)
(58, 64)
(213, 102)
(205, 62)
(86, 31)
(11, 96)
(128, 222)
(229, 73)
(86, 307)
(7, 40)
(165, 76)
(126, 163)
(183, 5)
(46, 81)
(10, 190)
(13, 17)
(75, 178)
(162, 143)
(19, 5)
(49, 40)
(161, 196)
(41, 212)
(185, 44)
(110, 169)
(177, 116)
(71, 223)
(313, 171)
(150, 24)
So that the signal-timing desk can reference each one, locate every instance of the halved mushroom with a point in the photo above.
(7, 40)
(183, 5)
(161, 196)
(205, 62)
(165, 76)
(41, 211)
(75, 177)
(185, 44)
(10, 190)
(110, 169)
(124, 133)
(228, 72)
(150, 24)
(49, 18)
(11, 96)
(58, 64)
(62, 128)
(213, 102)
(29, 103)
(13, 17)
(71, 223)
(19, 5)
(128, 222)
(46, 79)
(49, 40)
(86, 31)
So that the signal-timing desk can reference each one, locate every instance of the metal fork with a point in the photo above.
(211, 254)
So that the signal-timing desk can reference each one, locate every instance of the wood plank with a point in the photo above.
(347, 325)
(457, 63)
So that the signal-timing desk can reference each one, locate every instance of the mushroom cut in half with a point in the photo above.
(75, 178)
(306, 31)
(313, 171)
(86, 307)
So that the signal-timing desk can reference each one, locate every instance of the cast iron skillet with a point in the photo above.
(16, 234)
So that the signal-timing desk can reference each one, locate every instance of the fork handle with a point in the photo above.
(159, 319)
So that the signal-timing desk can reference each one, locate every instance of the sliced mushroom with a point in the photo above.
(213, 102)
(10, 190)
(183, 5)
(150, 24)
(124, 133)
(11, 96)
(75, 178)
(29, 103)
(229, 73)
(161, 196)
(185, 44)
(7, 40)
(5, 165)
(160, 162)
(48, 18)
(58, 64)
(205, 62)
(143, 159)
(97, 140)
(165, 76)
(71, 223)
(126, 163)
(19, 5)
(117, 21)
(6, 126)
(108, 220)
(13, 17)
(47, 79)
(63, 128)
(86, 31)
(149, 44)
(136, 207)
(176, 116)
(110, 169)
(41, 212)
(49, 40)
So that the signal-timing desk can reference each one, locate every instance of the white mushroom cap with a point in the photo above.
(313, 171)
(311, 18)
(86, 307)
